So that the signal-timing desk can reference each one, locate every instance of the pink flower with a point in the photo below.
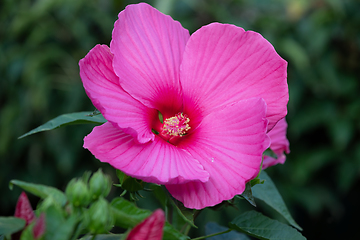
(279, 144)
(217, 90)
(149, 229)
(24, 210)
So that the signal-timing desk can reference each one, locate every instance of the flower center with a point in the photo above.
(176, 126)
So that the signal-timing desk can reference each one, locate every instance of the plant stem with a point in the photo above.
(211, 235)
(187, 229)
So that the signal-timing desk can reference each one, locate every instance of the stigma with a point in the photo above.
(176, 126)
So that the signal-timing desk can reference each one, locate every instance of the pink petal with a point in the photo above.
(148, 48)
(149, 229)
(23, 209)
(223, 64)
(157, 162)
(279, 144)
(103, 88)
(229, 144)
(39, 227)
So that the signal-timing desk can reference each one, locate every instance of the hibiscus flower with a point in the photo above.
(279, 145)
(188, 112)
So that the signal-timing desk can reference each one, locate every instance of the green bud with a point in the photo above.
(48, 202)
(98, 218)
(77, 193)
(100, 185)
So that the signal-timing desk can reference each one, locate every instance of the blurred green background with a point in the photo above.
(41, 42)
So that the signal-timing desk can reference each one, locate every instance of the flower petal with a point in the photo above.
(229, 144)
(157, 162)
(223, 64)
(279, 144)
(148, 48)
(149, 229)
(103, 88)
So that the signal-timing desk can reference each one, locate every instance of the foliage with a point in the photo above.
(42, 41)
(75, 213)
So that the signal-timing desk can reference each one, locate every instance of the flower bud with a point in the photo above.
(100, 185)
(98, 218)
(39, 227)
(77, 193)
(23, 209)
(151, 228)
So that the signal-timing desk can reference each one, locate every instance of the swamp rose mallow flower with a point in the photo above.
(279, 144)
(189, 112)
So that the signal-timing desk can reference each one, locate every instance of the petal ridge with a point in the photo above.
(157, 161)
(224, 63)
(102, 86)
(148, 48)
(229, 144)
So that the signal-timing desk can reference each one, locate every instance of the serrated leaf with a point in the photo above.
(247, 194)
(269, 194)
(67, 119)
(211, 228)
(41, 191)
(257, 225)
(127, 215)
(10, 225)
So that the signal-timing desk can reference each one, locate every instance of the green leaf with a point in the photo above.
(104, 237)
(159, 194)
(127, 215)
(211, 228)
(247, 194)
(268, 193)
(27, 233)
(41, 191)
(67, 119)
(257, 225)
(170, 233)
(186, 214)
(10, 225)
(57, 227)
(182, 215)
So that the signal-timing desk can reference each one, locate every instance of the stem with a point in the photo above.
(169, 213)
(211, 235)
(78, 229)
(187, 229)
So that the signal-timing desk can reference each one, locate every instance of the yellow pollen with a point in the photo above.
(177, 125)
